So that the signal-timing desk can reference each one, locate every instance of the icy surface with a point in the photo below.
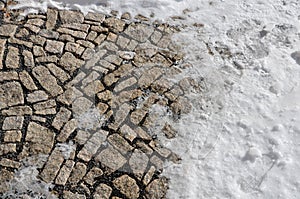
(242, 139)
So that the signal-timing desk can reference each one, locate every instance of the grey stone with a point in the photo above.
(64, 173)
(74, 33)
(296, 56)
(95, 17)
(70, 62)
(47, 81)
(120, 143)
(125, 84)
(36, 22)
(28, 59)
(52, 15)
(8, 30)
(111, 159)
(92, 36)
(46, 59)
(12, 58)
(78, 172)
(69, 95)
(2, 49)
(92, 145)
(12, 136)
(32, 27)
(18, 110)
(38, 51)
(116, 25)
(58, 72)
(13, 123)
(77, 26)
(61, 118)
(123, 183)
(140, 32)
(49, 34)
(37, 96)
(41, 138)
(92, 174)
(27, 80)
(13, 40)
(52, 166)
(157, 189)
(128, 132)
(67, 130)
(8, 76)
(37, 39)
(103, 191)
(54, 46)
(11, 94)
(68, 16)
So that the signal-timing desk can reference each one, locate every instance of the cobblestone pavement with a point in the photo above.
(80, 101)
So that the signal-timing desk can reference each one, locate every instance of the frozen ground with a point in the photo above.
(242, 140)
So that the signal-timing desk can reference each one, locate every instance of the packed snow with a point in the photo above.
(242, 139)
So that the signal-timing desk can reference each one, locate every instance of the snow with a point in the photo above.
(242, 138)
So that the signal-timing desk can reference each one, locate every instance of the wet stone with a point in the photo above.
(13, 123)
(11, 94)
(127, 186)
(47, 81)
(12, 58)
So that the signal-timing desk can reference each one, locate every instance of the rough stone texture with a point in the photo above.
(156, 189)
(69, 128)
(116, 25)
(52, 15)
(54, 46)
(138, 163)
(12, 136)
(92, 175)
(92, 145)
(103, 191)
(61, 118)
(11, 94)
(78, 172)
(70, 62)
(8, 30)
(37, 96)
(52, 166)
(111, 159)
(127, 186)
(64, 173)
(120, 143)
(41, 138)
(2, 48)
(27, 81)
(67, 16)
(47, 81)
(12, 58)
(139, 32)
(13, 123)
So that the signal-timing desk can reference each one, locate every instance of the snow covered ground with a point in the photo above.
(243, 138)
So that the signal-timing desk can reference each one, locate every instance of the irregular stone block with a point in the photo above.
(11, 93)
(13, 123)
(123, 183)
(13, 58)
